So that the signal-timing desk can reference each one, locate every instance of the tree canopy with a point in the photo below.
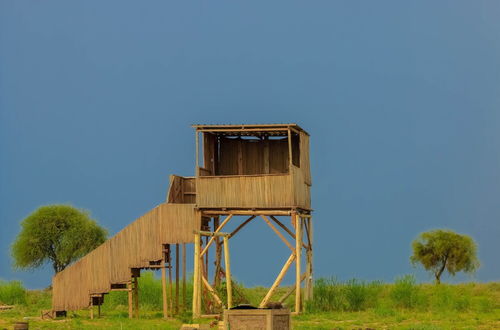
(440, 250)
(58, 234)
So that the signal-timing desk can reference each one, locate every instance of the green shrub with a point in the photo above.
(405, 292)
(12, 293)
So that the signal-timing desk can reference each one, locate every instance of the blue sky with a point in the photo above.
(401, 98)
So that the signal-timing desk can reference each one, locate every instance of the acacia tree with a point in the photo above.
(59, 234)
(440, 250)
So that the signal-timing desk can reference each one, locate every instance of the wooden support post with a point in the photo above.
(170, 292)
(177, 278)
(218, 254)
(289, 151)
(311, 271)
(99, 310)
(197, 153)
(184, 291)
(136, 294)
(91, 308)
(196, 276)
(130, 305)
(164, 286)
(298, 252)
(278, 280)
(227, 263)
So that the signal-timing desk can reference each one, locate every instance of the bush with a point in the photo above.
(405, 292)
(12, 293)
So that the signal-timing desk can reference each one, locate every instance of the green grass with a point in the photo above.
(336, 305)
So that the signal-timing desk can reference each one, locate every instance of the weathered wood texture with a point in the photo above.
(133, 247)
(258, 191)
(181, 190)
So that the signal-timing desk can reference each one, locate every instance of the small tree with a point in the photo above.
(59, 234)
(438, 250)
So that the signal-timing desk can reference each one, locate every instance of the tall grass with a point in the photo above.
(355, 295)
(12, 293)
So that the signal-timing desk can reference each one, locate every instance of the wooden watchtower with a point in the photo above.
(260, 171)
(254, 171)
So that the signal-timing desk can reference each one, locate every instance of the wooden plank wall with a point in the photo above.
(301, 190)
(133, 247)
(182, 190)
(259, 191)
(246, 156)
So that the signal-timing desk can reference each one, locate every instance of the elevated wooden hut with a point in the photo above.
(257, 171)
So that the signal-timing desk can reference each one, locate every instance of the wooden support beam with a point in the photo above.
(226, 220)
(278, 280)
(246, 212)
(211, 290)
(277, 232)
(227, 263)
(290, 150)
(136, 295)
(177, 278)
(298, 252)
(196, 277)
(184, 289)
(243, 224)
(164, 290)
(130, 297)
(292, 289)
(170, 293)
(279, 223)
(91, 308)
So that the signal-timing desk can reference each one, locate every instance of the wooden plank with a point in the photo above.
(280, 235)
(278, 280)
(227, 263)
(246, 212)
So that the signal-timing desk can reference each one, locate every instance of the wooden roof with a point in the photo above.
(249, 129)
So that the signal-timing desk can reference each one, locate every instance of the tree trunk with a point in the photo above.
(441, 270)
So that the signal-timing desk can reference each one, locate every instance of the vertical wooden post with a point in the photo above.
(311, 271)
(229, 284)
(176, 278)
(298, 252)
(164, 283)
(170, 289)
(99, 309)
(184, 291)
(130, 306)
(196, 275)
(289, 150)
(218, 252)
(197, 153)
(91, 307)
(136, 294)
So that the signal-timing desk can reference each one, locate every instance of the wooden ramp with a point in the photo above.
(139, 245)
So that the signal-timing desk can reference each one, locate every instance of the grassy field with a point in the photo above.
(337, 305)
